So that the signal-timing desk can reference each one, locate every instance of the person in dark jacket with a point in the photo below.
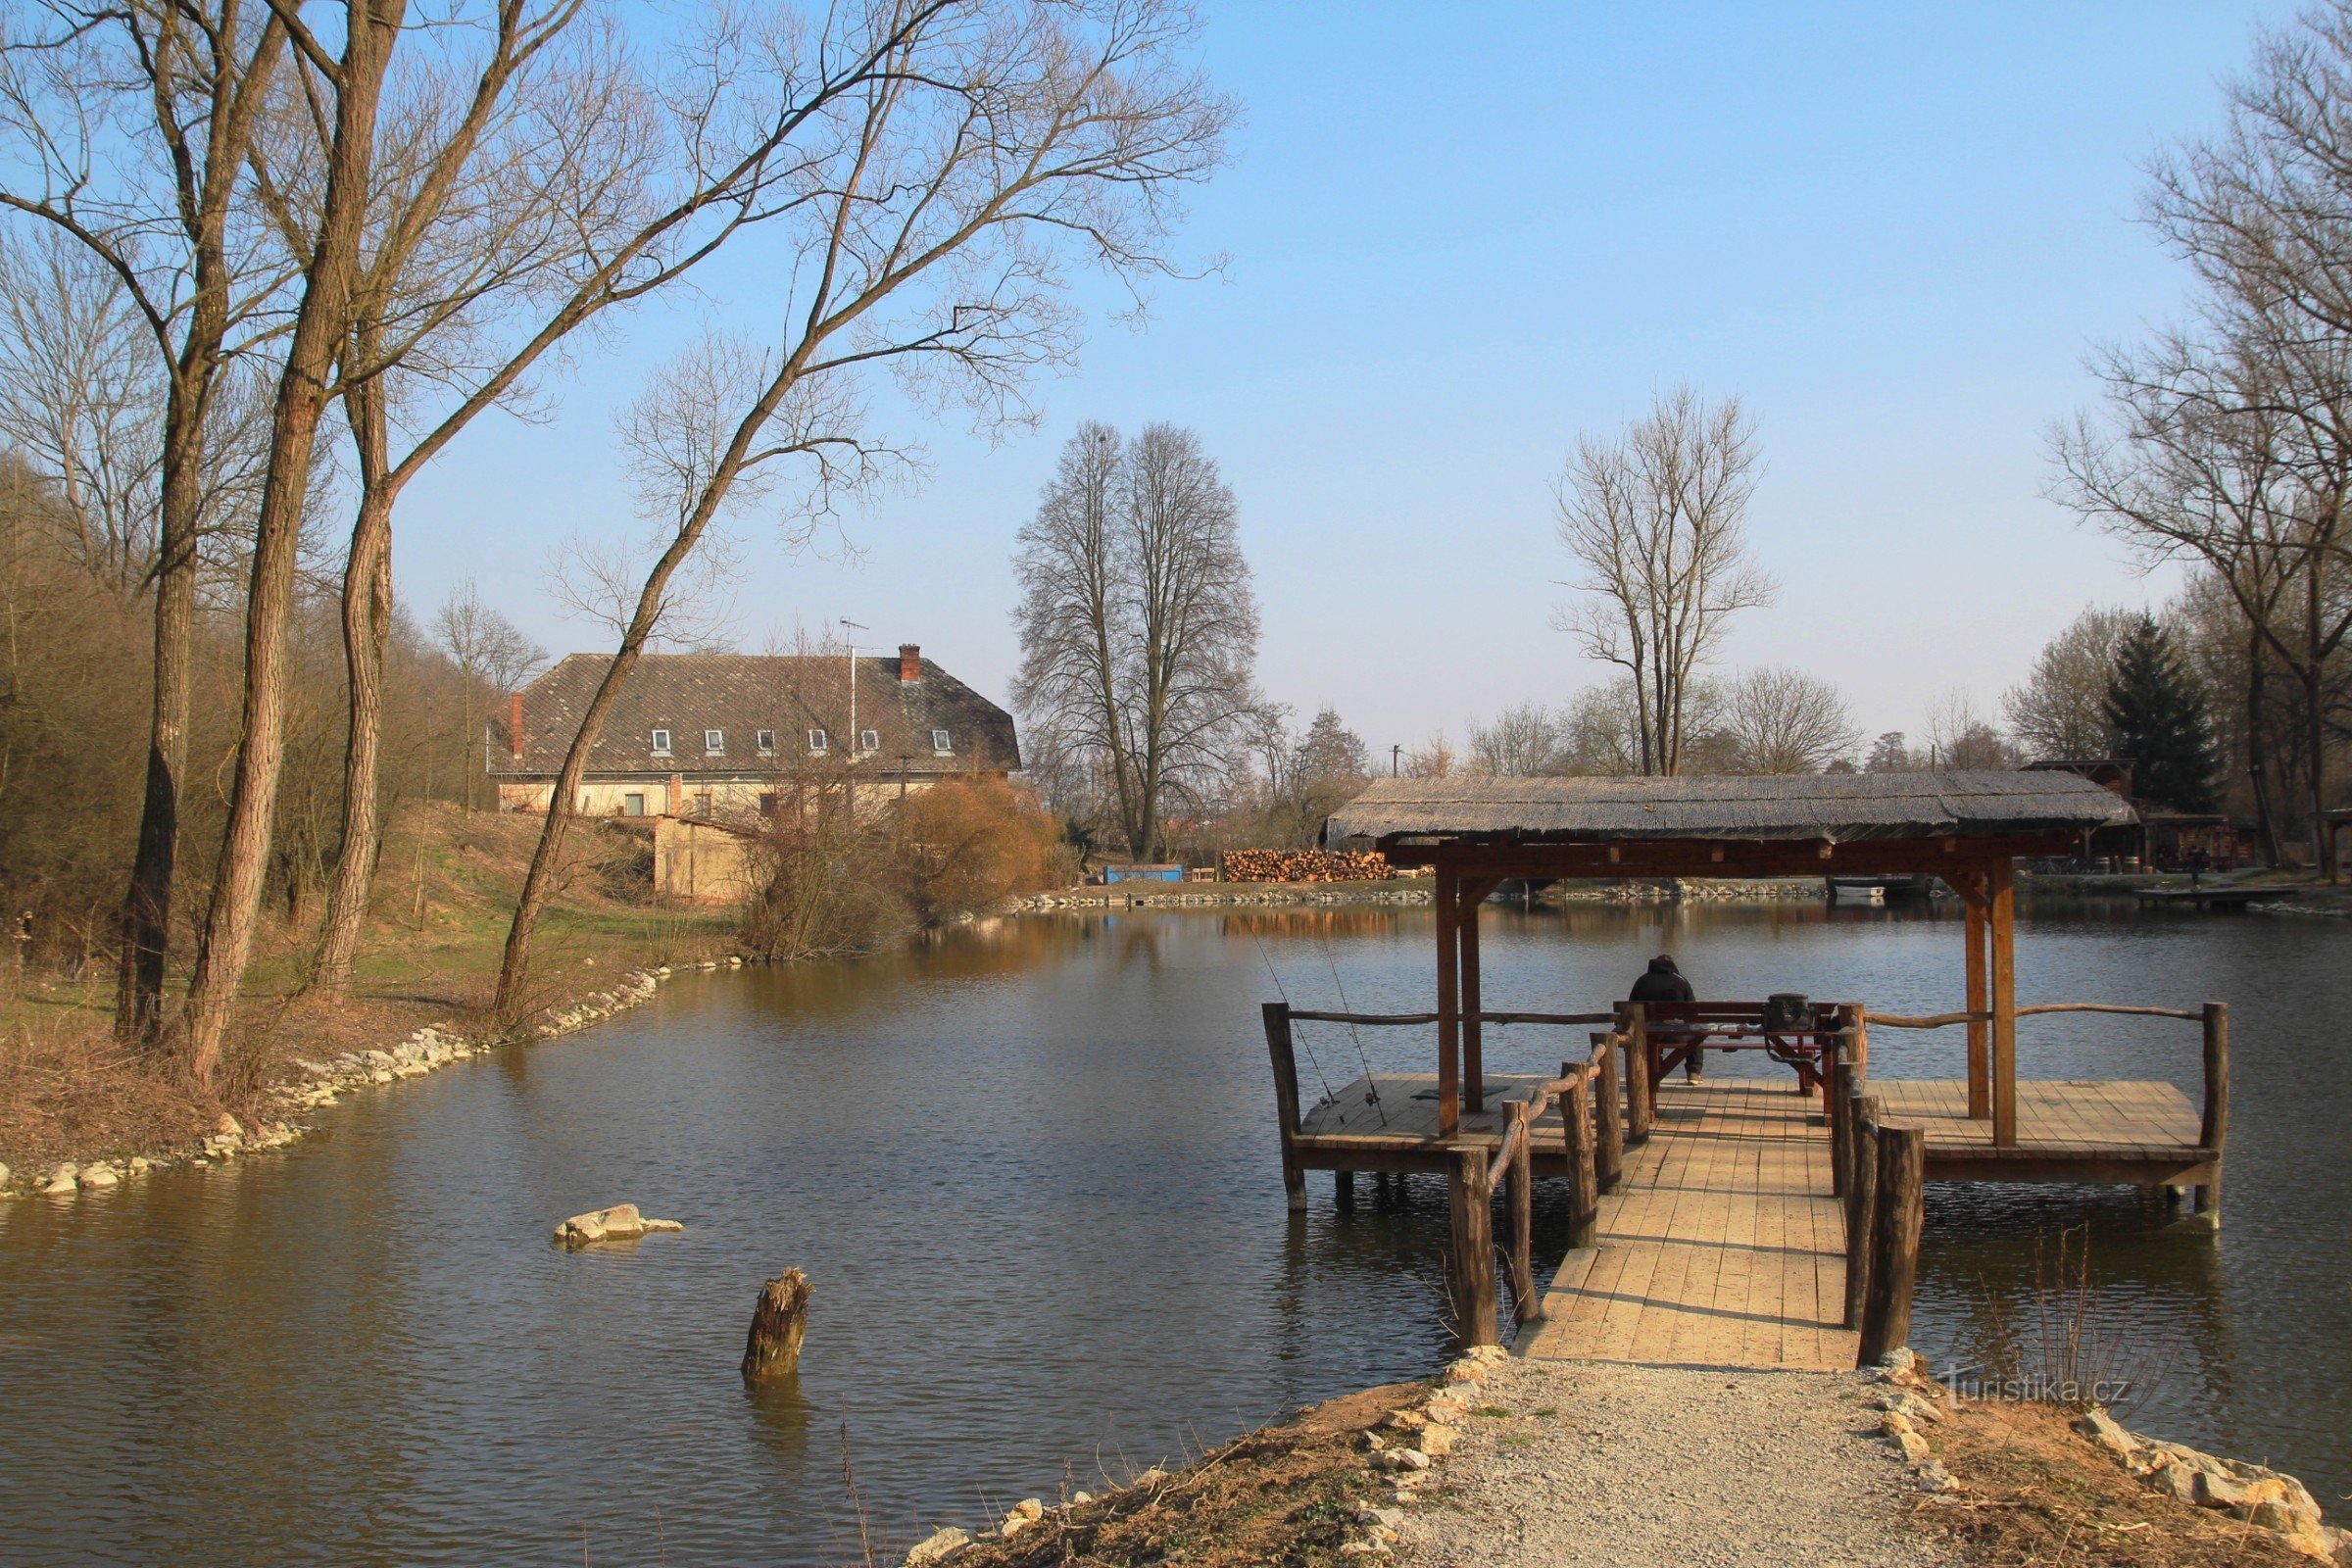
(1664, 982)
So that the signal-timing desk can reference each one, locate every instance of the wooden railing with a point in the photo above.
(1594, 1145)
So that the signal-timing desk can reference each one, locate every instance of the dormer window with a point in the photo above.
(816, 742)
(715, 742)
(869, 740)
(939, 742)
(768, 743)
(661, 742)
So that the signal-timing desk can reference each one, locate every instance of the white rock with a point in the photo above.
(938, 1546)
(228, 1126)
(140, 1164)
(100, 1175)
(619, 1223)
(3, 1175)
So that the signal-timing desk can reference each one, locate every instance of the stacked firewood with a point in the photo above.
(1304, 865)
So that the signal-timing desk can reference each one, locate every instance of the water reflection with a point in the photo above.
(1030, 1167)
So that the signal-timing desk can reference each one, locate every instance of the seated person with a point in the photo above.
(1664, 982)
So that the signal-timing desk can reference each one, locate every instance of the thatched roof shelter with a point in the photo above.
(1967, 828)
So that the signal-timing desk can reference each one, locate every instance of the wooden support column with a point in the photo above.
(1640, 1104)
(1861, 1203)
(1894, 1242)
(1470, 1270)
(1608, 1154)
(1974, 900)
(1521, 1209)
(1468, 895)
(1286, 1099)
(2213, 1130)
(1449, 1017)
(2001, 878)
(1584, 1181)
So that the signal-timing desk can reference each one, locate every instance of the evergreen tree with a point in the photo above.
(2160, 722)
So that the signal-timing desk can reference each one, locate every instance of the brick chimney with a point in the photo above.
(678, 794)
(911, 662)
(515, 724)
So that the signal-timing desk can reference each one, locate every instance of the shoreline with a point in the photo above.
(315, 1085)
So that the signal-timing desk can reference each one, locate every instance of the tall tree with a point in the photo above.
(1523, 741)
(936, 206)
(492, 655)
(351, 80)
(2159, 722)
(1653, 518)
(1138, 620)
(130, 128)
(1783, 721)
(2061, 709)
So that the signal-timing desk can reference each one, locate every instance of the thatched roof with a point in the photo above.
(1839, 808)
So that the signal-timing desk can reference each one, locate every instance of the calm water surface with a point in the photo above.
(1031, 1171)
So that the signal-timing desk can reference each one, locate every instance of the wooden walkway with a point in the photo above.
(1722, 1248)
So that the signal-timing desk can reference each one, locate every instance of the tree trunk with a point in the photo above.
(2315, 740)
(146, 921)
(319, 325)
(2257, 752)
(366, 613)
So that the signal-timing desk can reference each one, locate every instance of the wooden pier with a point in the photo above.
(1769, 1222)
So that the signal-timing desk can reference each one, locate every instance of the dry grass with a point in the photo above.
(1283, 1495)
(442, 898)
(2036, 1491)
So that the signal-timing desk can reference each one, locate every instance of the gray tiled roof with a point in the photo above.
(742, 693)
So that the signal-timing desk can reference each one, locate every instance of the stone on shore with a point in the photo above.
(938, 1546)
(61, 1180)
(100, 1175)
(619, 1223)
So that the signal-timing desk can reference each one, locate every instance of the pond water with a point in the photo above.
(1031, 1169)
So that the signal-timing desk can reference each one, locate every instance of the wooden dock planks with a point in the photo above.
(1722, 1247)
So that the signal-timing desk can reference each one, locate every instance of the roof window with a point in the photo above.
(766, 739)
(661, 742)
(816, 742)
(715, 741)
(869, 740)
(940, 742)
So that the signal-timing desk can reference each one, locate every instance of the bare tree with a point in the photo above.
(2061, 709)
(1783, 721)
(128, 128)
(1137, 622)
(353, 81)
(1959, 737)
(1653, 518)
(1523, 741)
(1890, 754)
(937, 202)
(1434, 758)
(492, 655)
(1601, 732)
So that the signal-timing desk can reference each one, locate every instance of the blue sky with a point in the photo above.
(1457, 237)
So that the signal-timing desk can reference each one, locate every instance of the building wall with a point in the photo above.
(701, 861)
(739, 796)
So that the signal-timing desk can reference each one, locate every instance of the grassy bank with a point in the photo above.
(436, 925)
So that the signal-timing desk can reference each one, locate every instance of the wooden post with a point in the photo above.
(1471, 1269)
(1973, 900)
(1584, 1181)
(2213, 1130)
(1449, 1017)
(1841, 1119)
(2003, 878)
(1286, 1099)
(778, 1322)
(1894, 1242)
(1342, 1188)
(1861, 1204)
(1468, 895)
(1640, 1106)
(1521, 1211)
(1609, 1114)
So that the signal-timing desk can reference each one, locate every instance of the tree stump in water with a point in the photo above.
(773, 1348)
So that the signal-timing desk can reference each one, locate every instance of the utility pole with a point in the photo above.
(1394, 751)
(849, 776)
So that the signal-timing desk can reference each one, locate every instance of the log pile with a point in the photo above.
(1304, 866)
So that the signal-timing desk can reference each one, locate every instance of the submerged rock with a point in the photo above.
(619, 1223)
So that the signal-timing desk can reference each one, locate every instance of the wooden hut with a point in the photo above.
(1966, 829)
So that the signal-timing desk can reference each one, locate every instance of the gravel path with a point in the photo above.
(1638, 1465)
